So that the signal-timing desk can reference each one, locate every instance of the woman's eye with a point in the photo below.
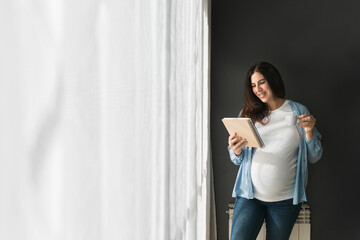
(261, 82)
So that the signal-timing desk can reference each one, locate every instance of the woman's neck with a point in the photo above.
(275, 104)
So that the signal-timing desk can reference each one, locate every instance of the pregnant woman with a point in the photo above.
(271, 181)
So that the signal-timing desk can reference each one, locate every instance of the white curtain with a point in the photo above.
(104, 128)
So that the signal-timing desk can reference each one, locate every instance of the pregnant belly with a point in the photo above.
(271, 180)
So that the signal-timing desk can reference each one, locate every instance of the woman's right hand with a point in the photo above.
(236, 143)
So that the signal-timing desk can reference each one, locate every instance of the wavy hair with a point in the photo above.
(254, 108)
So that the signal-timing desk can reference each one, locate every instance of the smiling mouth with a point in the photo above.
(261, 95)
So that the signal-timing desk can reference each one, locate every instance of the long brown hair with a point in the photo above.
(254, 108)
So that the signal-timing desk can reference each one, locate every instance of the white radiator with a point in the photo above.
(301, 230)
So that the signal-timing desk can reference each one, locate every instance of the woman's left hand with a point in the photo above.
(307, 121)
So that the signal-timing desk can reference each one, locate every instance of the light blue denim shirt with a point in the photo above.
(309, 150)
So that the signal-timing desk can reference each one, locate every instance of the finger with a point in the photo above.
(232, 141)
(232, 136)
(307, 116)
(241, 144)
(306, 124)
(303, 125)
(305, 119)
(244, 143)
(309, 119)
(304, 116)
(235, 141)
(235, 137)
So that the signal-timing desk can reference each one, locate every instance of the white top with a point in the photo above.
(273, 167)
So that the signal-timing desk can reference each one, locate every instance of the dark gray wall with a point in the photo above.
(316, 47)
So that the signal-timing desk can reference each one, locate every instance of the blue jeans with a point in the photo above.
(249, 215)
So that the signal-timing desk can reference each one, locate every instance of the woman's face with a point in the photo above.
(261, 88)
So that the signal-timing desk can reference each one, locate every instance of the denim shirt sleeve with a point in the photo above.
(236, 159)
(314, 147)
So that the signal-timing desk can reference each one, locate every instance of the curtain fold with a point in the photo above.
(110, 120)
